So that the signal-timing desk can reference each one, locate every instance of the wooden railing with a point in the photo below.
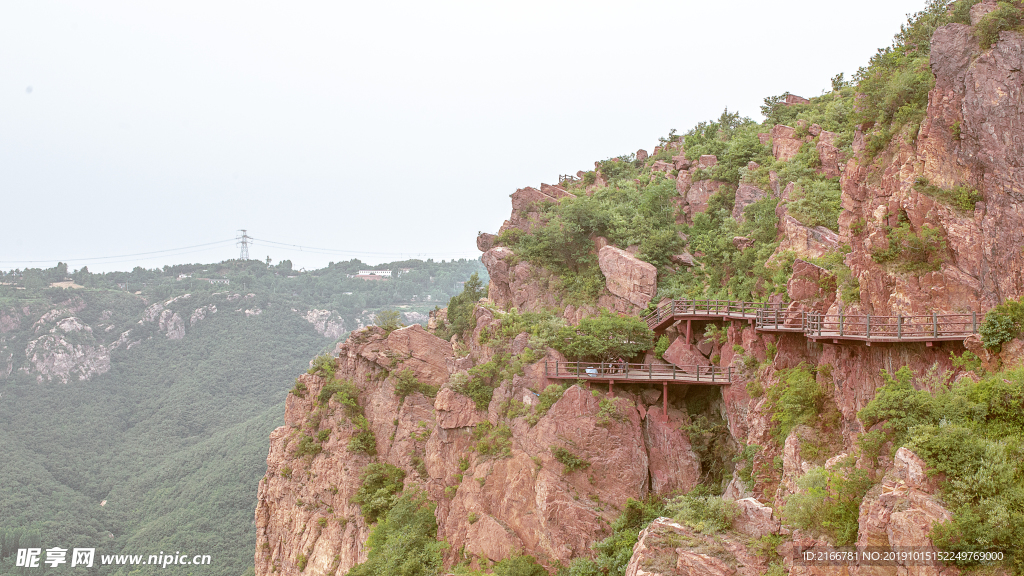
(716, 308)
(773, 317)
(780, 321)
(893, 328)
(626, 371)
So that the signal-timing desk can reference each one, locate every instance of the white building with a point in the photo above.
(384, 273)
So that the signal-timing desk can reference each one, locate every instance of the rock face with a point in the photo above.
(491, 505)
(980, 94)
(900, 511)
(785, 144)
(746, 195)
(525, 205)
(667, 548)
(633, 281)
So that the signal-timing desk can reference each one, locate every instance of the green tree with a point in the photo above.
(605, 338)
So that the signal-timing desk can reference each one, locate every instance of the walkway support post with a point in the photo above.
(664, 401)
(688, 334)
(935, 325)
(611, 392)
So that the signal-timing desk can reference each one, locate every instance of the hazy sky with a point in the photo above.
(378, 130)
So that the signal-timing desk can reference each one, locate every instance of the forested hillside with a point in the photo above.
(135, 420)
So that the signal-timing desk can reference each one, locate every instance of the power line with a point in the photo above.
(109, 257)
(335, 251)
(245, 240)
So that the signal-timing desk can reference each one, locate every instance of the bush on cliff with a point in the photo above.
(461, 308)
(703, 511)
(971, 432)
(1008, 16)
(796, 399)
(379, 490)
(828, 502)
(1002, 324)
(614, 552)
(404, 542)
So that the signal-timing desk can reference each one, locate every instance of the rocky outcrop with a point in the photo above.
(900, 511)
(520, 499)
(746, 195)
(326, 323)
(67, 351)
(667, 548)
(804, 241)
(632, 281)
(970, 137)
(526, 205)
(785, 144)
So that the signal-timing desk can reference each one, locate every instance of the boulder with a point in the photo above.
(419, 350)
(673, 465)
(641, 155)
(813, 287)
(627, 277)
(785, 144)
(746, 195)
(660, 166)
(680, 354)
(680, 162)
(485, 241)
(455, 410)
(742, 242)
(707, 161)
(684, 259)
(794, 99)
(755, 519)
(698, 195)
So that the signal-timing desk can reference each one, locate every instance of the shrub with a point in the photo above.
(796, 399)
(608, 411)
(1006, 17)
(703, 512)
(605, 338)
(970, 433)
(962, 198)
(828, 502)
(910, 251)
(817, 203)
(461, 308)
(662, 346)
(1002, 324)
(404, 542)
(570, 461)
(286, 472)
(308, 445)
(548, 397)
(324, 366)
(363, 440)
(299, 389)
(406, 383)
(389, 320)
(614, 552)
(482, 380)
(300, 562)
(381, 484)
(323, 435)
(491, 440)
(519, 565)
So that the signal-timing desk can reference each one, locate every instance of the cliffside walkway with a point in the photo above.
(624, 372)
(769, 317)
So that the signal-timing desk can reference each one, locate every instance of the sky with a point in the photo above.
(151, 133)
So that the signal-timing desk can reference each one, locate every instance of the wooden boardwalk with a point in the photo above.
(867, 328)
(631, 372)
